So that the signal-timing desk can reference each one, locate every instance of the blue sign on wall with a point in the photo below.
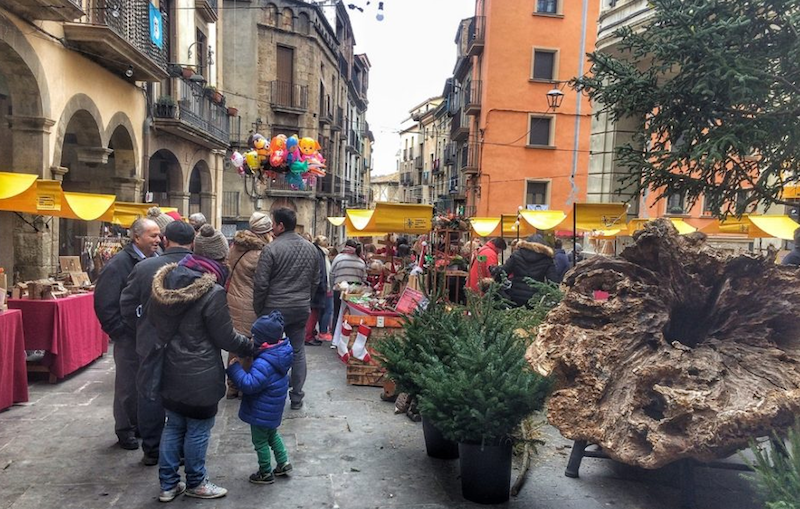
(156, 27)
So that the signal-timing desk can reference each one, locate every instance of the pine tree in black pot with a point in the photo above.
(480, 394)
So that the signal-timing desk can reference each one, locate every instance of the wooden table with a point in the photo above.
(67, 329)
(13, 372)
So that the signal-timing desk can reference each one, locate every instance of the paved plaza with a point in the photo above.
(348, 449)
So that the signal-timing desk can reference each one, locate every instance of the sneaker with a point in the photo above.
(149, 460)
(313, 342)
(170, 495)
(283, 469)
(262, 478)
(206, 489)
(296, 405)
(326, 336)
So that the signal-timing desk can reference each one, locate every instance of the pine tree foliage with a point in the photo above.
(715, 88)
(778, 473)
(486, 387)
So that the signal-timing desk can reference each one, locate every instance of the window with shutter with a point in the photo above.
(540, 131)
(544, 64)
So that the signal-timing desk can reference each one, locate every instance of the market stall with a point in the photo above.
(13, 372)
(67, 329)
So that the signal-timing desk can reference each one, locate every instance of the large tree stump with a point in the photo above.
(693, 354)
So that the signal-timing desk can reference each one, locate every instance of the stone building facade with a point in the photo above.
(292, 70)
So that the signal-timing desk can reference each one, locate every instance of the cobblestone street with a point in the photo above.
(348, 450)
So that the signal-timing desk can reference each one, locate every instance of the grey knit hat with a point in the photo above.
(211, 243)
(260, 223)
(161, 219)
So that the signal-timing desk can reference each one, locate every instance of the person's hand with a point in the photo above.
(235, 360)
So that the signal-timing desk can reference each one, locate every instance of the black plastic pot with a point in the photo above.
(485, 472)
(436, 444)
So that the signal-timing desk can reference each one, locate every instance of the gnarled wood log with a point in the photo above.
(693, 354)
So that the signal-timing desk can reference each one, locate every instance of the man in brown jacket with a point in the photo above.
(242, 260)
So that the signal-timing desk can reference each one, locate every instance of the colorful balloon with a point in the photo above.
(237, 159)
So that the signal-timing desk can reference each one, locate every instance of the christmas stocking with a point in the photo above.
(359, 350)
(341, 347)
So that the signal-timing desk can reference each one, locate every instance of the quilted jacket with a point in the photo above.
(287, 274)
(265, 386)
(242, 260)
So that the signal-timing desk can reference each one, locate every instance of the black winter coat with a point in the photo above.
(190, 311)
(793, 258)
(287, 274)
(530, 260)
(136, 294)
(321, 295)
(108, 290)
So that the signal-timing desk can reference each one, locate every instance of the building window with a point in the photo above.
(708, 210)
(544, 64)
(547, 6)
(676, 203)
(540, 132)
(536, 195)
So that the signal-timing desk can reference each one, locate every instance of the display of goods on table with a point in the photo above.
(673, 350)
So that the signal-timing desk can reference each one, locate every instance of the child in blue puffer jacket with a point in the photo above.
(264, 390)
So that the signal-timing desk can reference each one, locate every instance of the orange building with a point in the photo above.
(520, 152)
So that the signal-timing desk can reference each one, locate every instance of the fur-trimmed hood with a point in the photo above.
(248, 241)
(176, 287)
(536, 248)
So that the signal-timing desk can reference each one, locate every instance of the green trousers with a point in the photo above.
(265, 439)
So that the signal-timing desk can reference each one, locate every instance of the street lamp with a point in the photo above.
(554, 98)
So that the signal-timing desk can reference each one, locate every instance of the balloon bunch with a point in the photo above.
(297, 159)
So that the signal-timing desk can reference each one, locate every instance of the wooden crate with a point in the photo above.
(369, 373)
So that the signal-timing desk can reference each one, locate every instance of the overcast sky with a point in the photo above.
(412, 52)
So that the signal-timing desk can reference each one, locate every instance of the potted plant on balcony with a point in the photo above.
(232, 112)
(165, 107)
(480, 395)
(213, 94)
(187, 72)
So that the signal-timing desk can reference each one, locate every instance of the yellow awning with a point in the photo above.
(484, 226)
(125, 213)
(41, 197)
(336, 220)
(88, 207)
(780, 227)
(601, 216)
(389, 218)
(543, 219)
(682, 226)
(14, 184)
(606, 234)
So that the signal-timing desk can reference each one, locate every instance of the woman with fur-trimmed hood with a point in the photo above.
(243, 259)
(532, 259)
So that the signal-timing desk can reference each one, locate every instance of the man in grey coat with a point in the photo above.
(287, 276)
(178, 242)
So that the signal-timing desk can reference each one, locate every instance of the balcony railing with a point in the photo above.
(230, 203)
(279, 187)
(472, 104)
(470, 162)
(459, 127)
(477, 35)
(418, 163)
(196, 117)
(338, 120)
(330, 185)
(288, 97)
(450, 154)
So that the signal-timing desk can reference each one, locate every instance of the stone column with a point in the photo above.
(208, 208)
(127, 188)
(31, 143)
(179, 200)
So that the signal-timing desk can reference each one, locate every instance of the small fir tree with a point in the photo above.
(778, 472)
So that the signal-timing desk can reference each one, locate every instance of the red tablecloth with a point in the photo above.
(13, 372)
(66, 328)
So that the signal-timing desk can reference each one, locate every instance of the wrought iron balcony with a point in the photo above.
(195, 117)
(288, 97)
(477, 35)
(459, 126)
(418, 163)
(53, 10)
(118, 37)
(279, 187)
(338, 120)
(450, 153)
(472, 104)
(207, 9)
(330, 185)
(470, 158)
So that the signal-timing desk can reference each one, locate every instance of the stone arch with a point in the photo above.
(271, 15)
(166, 180)
(303, 23)
(24, 71)
(77, 103)
(201, 189)
(287, 19)
(121, 120)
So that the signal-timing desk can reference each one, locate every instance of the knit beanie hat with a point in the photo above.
(260, 223)
(268, 328)
(211, 243)
(161, 219)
